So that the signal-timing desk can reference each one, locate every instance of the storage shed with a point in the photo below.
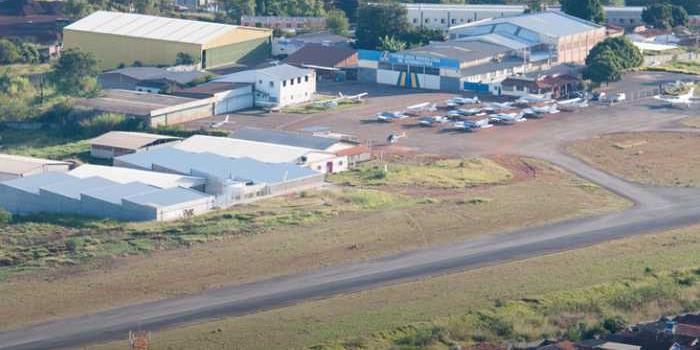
(118, 143)
(12, 167)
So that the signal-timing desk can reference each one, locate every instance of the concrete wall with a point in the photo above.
(181, 114)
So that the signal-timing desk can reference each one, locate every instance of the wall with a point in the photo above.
(288, 93)
(443, 18)
(112, 50)
(253, 50)
(182, 113)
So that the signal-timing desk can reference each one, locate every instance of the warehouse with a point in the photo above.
(277, 86)
(148, 79)
(12, 167)
(480, 55)
(154, 109)
(127, 175)
(62, 193)
(329, 62)
(124, 38)
(227, 97)
(118, 143)
(321, 161)
(231, 181)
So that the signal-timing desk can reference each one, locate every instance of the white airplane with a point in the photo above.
(390, 116)
(684, 100)
(507, 118)
(334, 102)
(500, 106)
(421, 107)
(572, 104)
(463, 112)
(430, 121)
(221, 123)
(528, 99)
(471, 125)
(464, 100)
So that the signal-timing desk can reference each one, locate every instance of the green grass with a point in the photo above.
(572, 314)
(48, 240)
(444, 174)
(678, 67)
(45, 143)
(316, 107)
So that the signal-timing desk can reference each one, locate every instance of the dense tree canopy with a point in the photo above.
(591, 10)
(610, 58)
(690, 6)
(16, 95)
(336, 22)
(379, 21)
(665, 16)
(75, 73)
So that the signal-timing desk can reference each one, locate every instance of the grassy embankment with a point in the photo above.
(564, 294)
(678, 67)
(317, 105)
(101, 264)
(644, 157)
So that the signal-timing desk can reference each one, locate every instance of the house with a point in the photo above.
(124, 38)
(329, 62)
(285, 46)
(118, 143)
(548, 85)
(228, 97)
(148, 79)
(277, 86)
(230, 180)
(343, 147)
(12, 167)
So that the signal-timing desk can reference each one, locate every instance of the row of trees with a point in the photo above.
(12, 52)
(386, 27)
(665, 16)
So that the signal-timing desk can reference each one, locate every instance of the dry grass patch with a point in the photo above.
(367, 317)
(293, 241)
(657, 158)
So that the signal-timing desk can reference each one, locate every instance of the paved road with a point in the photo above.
(656, 209)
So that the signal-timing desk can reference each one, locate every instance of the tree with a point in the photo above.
(75, 73)
(421, 36)
(8, 52)
(336, 22)
(234, 9)
(349, 7)
(690, 6)
(391, 44)
(377, 21)
(665, 16)
(184, 59)
(604, 68)
(75, 9)
(535, 6)
(590, 10)
(610, 58)
(16, 97)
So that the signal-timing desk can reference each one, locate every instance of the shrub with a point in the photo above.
(5, 216)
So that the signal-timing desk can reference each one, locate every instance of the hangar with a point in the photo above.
(124, 38)
(12, 167)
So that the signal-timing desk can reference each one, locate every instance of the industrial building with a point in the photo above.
(118, 143)
(124, 38)
(320, 161)
(444, 16)
(12, 167)
(329, 62)
(230, 180)
(147, 79)
(480, 55)
(277, 86)
(63, 193)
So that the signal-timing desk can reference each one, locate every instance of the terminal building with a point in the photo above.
(479, 55)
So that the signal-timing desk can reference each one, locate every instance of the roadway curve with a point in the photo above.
(655, 209)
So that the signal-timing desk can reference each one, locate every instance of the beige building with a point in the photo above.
(124, 38)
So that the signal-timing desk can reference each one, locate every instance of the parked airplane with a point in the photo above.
(463, 112)
(539, 112)
(422, 107)
(507, 118)
(472, 126)
(463, 100)
(684, 100)
(572, 104)
(430, 121)
(390, 116)
(221, 123)
(334, 102)
(500, 106)
(528, 99)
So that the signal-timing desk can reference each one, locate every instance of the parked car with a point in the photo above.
(619, 97)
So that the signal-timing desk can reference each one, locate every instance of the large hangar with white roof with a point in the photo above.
(480, 54)
(124, 38)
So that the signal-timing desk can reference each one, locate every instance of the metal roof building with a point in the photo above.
(96, 196)
(117, 143)
(126, 175)
(230, 180)
(123, 38)
(12, 166)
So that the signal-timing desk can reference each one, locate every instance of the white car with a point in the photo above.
(618, 97)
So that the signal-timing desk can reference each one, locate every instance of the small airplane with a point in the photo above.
(421, 107)
(394, 138)
(500, 106)
(390, 116)
(684, 100)
(528, 99)
(507, 118)
(463, 112)
(430, 121)
(572, 104)
(463, 100)
(221, 123)
(471, 125)
(334, 102)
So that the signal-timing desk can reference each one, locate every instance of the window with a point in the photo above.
(260, 82)
(427, 20)
(272, 83)
(306, 78)
(318, 168)
(284, 83)
(291, 81)
(442, 20)
(340, 163)
(454, 21)
(415, 20)
(299, 80)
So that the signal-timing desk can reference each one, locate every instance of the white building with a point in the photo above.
(12, 167)
(277, 86)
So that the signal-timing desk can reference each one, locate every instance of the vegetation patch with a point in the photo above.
(443, 174)
(678, 67)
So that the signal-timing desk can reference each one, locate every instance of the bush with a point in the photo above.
(107, 122)
(5, 216)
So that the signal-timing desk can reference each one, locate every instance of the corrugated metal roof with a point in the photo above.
(127, 175)
(549, 23)
(241, 169)
(115, 194)
(129, 140)
(464, 51)
(12, 164)
(284, 138)
(154, 73)
(279, 72)
(236, 148)
(168, 197)
(513, 43)
(73, 187)
(151, 27)
(34, 182)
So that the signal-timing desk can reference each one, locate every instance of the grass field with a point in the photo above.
(316, 106)
(43, 143)
(523, 297)
(653, 158)
(282, 236)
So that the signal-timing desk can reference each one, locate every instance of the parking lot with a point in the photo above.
(639, 112)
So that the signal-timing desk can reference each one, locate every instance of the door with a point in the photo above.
(329, 167)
